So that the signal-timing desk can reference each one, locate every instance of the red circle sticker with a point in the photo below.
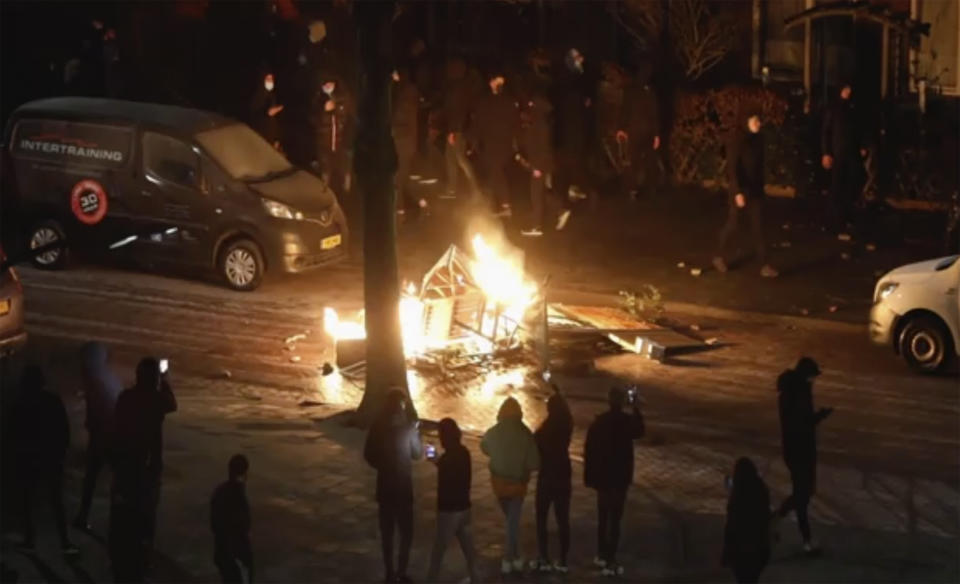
(88, 201)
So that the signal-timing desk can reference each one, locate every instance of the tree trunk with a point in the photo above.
(375, 164)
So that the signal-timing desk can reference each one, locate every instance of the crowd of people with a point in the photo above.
(125, 431)
(480, 129)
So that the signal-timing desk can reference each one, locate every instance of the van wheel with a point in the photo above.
(241, 265)
(44, 234)
(925, 344)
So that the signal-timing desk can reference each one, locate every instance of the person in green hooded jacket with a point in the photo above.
(513, 458)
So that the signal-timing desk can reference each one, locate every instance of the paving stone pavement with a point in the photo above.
(314, 518)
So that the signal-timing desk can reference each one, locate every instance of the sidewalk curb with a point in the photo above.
(703, 311)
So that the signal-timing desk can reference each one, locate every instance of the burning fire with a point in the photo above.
(498, 275)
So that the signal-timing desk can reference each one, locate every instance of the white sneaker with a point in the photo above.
(599, 562)
(535, 232)
(560, 568)
(811, 548)
(541, 566)
(612, 570)
(506, 567)
(518, 565)
(562, 220)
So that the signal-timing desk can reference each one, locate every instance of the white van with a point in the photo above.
(916, 310)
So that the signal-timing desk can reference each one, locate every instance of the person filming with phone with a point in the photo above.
(453, 498)
(608, 469)
(798, 428)
(393, 443)
(138, 464)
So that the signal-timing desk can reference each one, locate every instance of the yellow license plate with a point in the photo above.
(4, 306)
(331, 242)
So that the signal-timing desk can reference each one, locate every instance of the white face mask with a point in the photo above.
(268, 85)
(328, 88)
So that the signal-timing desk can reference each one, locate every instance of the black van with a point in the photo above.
(167, 183)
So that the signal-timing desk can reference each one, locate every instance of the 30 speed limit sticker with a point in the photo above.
(88, 201)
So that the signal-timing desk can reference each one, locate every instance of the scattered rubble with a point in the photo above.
(696, 272)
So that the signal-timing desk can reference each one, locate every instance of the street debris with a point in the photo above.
(804, 312)
(294, 338)
(833, 308)
(871, 247)
(845, 256)
(711, 341)
(844, 237)
(225, 373)
(681, 265)
(695, 327)
(326, 369)
(295, 358)
(696, 272)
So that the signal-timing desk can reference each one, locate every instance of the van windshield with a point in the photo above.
(243, 153)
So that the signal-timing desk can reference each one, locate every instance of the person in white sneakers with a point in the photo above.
(538, 159)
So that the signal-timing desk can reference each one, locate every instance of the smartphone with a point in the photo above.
(164, 365)
(431, 452)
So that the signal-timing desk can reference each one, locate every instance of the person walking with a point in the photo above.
(573, 102)
(495, 128)
(230, 524)
(513, 457)
(608, 469)
(843, 147)
(265, 111)
(537, 158)
(331, 119)
(41, 432)
(798, 431)
(137, 468)
(640, 129)
(406, 107)
(101, 388)
(454, 476)
(554, 481)
(746, 535)
(392, 444)
(745, 177)
(457, 107)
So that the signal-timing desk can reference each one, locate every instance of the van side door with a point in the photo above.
(178, 224)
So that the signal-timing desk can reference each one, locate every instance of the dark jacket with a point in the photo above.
(406, 105)
(457, 105)
(798, 420)
(572, 111)
(101, 388)
(332, 126)
(745, 164)
(640, 115)
(536, 139)
(40, 428)
(553, 440)
(138, 436)
(840, 134)
(746, 535)
(495, 124)
(260, 119)
(454, 475)
(608, 452)
(391, 448)
(230, 523)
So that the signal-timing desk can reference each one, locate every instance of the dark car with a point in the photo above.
(168, 184)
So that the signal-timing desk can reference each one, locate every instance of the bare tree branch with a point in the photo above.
(701, 39)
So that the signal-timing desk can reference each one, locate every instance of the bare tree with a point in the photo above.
(375, 165)
(641, 19)
(701, 39)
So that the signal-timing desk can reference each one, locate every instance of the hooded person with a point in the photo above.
(137, 460)
(798, 432)
(554, 480)
(843, 144)
(101, 388)
(640, 128)
(454, 476)
(41, 434)
(230, 523)
(331, 117)
(406, 108)
(265, 110)
(495, 128)
(746, 534)
(608, 469)
(745, 178)
(513, 457)
(393, 443)
(537, 153)
(573, 103)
